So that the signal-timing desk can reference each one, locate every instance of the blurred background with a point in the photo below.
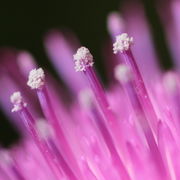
(24, 22)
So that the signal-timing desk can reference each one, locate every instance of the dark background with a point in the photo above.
(23, 23)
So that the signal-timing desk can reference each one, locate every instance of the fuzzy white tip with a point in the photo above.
(123, 43)
(170, 82)
(44, 129)
(36, 78)
(123, 73)
(86, 98)
(18, 102)
(83, 59)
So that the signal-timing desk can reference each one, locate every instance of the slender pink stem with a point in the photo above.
(110, 144)
(104, 106)
(140, 89)
(16, 173)
(48, 156)
(87, 170)
(97, 89)
(4, 174)
(109, 116)
(144, 124)
(69, 173)
(51, 116)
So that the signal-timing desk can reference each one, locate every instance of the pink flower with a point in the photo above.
(129, 131)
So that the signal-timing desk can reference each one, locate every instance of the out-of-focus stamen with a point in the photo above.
(115, 24)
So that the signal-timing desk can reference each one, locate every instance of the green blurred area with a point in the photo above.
(23, 24)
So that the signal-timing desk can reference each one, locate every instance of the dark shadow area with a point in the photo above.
(8, 133)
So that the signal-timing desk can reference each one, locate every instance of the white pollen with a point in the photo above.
(170, 82)
(43, 128)
(123, 73)
(86, 98)
(123, 43)
(18, 102)
(83, 59)
(36, 78)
